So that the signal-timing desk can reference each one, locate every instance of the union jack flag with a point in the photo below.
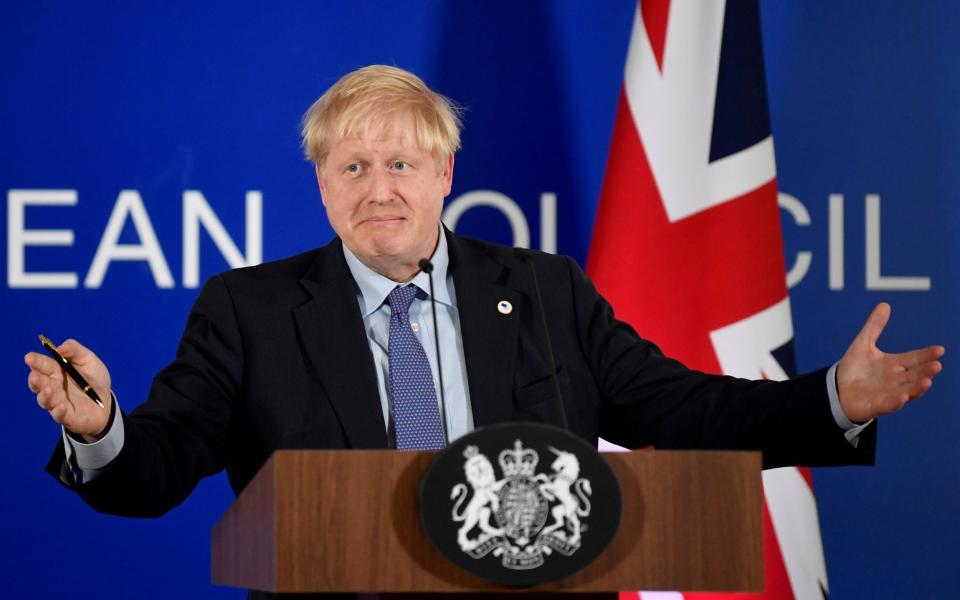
(687, 243)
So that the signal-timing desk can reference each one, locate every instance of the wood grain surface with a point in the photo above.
(347, 521)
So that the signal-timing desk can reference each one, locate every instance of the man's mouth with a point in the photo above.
(386, 219)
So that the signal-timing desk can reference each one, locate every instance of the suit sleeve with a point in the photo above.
(180, 434)
(648, 399)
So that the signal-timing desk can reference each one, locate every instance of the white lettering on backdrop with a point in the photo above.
(199, 215)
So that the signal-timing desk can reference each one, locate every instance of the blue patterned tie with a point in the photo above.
(416, 416)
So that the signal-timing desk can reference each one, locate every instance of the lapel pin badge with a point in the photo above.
(504, 307)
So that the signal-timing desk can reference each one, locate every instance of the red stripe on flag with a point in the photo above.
(655, 14)
(807, 475)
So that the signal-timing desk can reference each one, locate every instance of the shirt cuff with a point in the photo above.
(851, 430)
(91, 459)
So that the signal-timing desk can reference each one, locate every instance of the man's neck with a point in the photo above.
(401, 273)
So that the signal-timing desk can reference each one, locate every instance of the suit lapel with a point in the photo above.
(335, 344)
(489, 336)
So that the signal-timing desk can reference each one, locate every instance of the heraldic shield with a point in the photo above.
(520, 503)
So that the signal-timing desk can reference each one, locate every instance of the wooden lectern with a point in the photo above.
(347, 521)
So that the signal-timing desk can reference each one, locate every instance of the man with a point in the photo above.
(329, 349)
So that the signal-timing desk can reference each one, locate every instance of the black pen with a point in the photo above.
(71, 371)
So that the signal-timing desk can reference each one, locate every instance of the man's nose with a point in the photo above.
(381, 185)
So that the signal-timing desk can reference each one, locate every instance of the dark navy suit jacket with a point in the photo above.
(276, 356)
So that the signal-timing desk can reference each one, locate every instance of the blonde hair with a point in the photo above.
(367, 98)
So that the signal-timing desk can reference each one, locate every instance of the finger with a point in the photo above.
(875, 323)
(43, 364)
(926, 369)
(59, 413)
(917, 357)
(929, 369)
(48, 397)
(912, 380)
(37, 380)
(75, 352)
(43, 401)
(918, 388)
(911, 384)
(57, 404)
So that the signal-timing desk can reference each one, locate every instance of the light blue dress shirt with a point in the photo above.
(372, 291)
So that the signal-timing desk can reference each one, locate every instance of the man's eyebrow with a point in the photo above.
(354, 157)
(404, 151)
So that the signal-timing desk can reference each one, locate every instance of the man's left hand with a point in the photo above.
(871, 382)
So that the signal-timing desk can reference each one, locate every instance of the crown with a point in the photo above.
(518, 462)
(470, 452)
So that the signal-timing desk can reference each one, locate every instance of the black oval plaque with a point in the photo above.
(520, 503)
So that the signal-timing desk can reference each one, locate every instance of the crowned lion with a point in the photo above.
(483, 503)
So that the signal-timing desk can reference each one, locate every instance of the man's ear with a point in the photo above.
(448, 177)
(321, 184)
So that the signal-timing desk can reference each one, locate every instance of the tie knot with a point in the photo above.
(400, 299)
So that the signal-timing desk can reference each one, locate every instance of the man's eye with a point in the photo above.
(353, 168)
(399, 165)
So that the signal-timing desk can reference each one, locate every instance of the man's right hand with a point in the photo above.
(63, 399)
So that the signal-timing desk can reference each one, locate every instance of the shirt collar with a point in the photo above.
(374, 287)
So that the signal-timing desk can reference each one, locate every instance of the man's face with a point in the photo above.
(384, 196)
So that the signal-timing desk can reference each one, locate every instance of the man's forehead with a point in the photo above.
(380, 129)
(355, 148)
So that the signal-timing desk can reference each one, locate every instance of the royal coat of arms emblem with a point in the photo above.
(525, 515)
(520, 504)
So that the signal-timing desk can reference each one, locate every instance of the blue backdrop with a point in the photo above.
(207, 97)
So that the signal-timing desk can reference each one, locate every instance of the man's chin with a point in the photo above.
(388, 248)
(382, 257)
(391, 252)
